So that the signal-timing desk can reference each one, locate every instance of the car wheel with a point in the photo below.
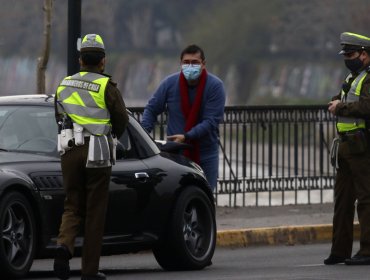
(17, 235)
(190, 241)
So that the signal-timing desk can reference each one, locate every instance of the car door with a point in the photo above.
(130, 186)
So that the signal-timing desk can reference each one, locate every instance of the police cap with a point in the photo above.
(92, 43)
(352, 42)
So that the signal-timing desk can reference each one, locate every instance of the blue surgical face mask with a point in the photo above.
(191, 71)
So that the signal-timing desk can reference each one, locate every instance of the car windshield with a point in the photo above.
(28, 129)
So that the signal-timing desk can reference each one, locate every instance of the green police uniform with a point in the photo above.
(353, 159)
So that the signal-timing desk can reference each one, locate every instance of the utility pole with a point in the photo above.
(74, 34)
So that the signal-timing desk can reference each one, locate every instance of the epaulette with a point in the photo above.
(110, 79)
(112, 82)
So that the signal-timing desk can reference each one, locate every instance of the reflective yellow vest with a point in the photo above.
(82, 98)
(345, 124)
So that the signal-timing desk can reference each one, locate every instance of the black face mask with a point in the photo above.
(354, 65)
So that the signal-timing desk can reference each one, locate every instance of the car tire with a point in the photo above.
(190, 241)
(17, 235)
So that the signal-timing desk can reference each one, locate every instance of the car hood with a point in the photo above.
(11, 157)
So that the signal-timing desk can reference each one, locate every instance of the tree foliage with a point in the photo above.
(243, 40)
(236, 30)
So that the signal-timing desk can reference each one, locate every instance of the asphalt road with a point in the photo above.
(258, 262)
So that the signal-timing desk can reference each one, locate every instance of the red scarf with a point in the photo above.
(191, 111)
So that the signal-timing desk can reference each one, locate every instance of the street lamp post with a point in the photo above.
(74, 34)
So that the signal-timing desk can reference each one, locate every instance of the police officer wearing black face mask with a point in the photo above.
(350, 154)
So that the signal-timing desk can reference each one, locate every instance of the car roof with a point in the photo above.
(31, 99)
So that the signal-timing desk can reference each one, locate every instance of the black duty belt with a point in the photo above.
(344, 136)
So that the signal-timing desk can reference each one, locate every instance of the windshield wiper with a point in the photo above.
(4, 150)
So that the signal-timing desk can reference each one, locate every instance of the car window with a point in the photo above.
(33, 129)
(125, 149)
(135, 143)
(28, 128)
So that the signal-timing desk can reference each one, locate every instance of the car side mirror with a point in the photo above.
(172, 147)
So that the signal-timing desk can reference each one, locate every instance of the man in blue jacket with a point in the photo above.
(195, 101)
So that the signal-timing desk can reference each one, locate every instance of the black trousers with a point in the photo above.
(85, 206)
(352, 183)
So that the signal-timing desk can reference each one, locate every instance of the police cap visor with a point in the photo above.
(350, 49)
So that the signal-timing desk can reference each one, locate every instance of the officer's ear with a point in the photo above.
(101, 64)
(364, 56)
(364, 53)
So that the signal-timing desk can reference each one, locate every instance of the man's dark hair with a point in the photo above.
(91, 58)
(192, 49)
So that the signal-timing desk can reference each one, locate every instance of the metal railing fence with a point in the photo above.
(271, 155)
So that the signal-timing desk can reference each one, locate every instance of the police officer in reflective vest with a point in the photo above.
(351, 153)
(90, 113)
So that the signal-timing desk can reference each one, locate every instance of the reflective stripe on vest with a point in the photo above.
(82, 98)
(345, 124)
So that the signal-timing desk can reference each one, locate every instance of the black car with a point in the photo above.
(158, 200)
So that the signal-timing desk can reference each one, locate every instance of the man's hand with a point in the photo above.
(179, 138)
(332, 105)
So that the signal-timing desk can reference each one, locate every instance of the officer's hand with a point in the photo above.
(332, 105)
(180, 138)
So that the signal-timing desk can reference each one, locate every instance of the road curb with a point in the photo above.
(288, 235)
